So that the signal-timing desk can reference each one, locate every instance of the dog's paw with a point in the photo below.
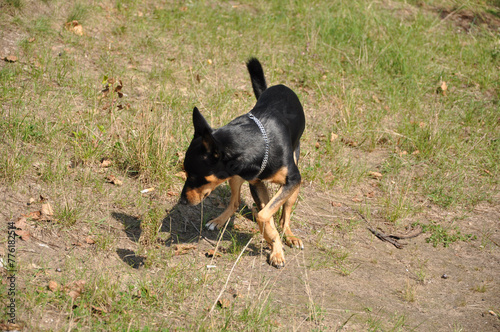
(293, 241)
(214, 225)
(277, 258)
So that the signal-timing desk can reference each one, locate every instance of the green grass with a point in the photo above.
(368, 72)
(442, 235)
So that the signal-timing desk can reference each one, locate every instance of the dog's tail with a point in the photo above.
(257, 76)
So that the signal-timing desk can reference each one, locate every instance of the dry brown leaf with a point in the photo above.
(336, 204)
(47, 209)
(357, 199)
(212, 252)
(333, 137)
(24, 235)
(74, 27)
(99, 310)
(171, 193)
(106, 163)
(53, 286)
(21, 223)
(10, 58)
(35, 215)
(375, 175)
(11, 327)
(370, 194)
(75, 288)
(224, 303)
(349, 142)
(182, 249)
(89, 240)
(112, 179)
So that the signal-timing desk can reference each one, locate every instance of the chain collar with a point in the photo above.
(266, 140)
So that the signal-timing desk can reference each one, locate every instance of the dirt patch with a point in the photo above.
(467, 19)
(345, 278)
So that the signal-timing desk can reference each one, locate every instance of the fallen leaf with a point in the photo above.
(112, 179)
(89, 240)
(333, 137)
(74, 27)
(21, 223)
(11, 327)
(316, 145)
(10, 58)
(336, 204)
(35, 215)
(415, 152)
(53, 286)
(24, 235)
(375, 175)
(357, 199)
(106, 163)
(47, 209)
(182, 249)
(75, 289)
(212, 252)
(31, 201)
(171, 193)
(224, 303)
(349, 142)
(98, 310)
(443, 88)
(370, 194)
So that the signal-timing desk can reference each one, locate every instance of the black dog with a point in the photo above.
(262, 145)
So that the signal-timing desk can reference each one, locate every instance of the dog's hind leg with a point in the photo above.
(235, 184)
(290, 238)
(286, 214)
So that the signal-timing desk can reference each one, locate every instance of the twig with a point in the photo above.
(229, 276)
(392, 239)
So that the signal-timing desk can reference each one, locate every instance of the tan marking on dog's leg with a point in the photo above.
(267, 227)
(234, 203)
(290, 238)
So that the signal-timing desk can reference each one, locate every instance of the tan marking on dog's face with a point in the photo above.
(196, 195)
(279, 177)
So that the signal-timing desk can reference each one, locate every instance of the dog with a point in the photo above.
(262, 145)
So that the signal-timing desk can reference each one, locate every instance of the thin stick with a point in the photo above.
(229, 276)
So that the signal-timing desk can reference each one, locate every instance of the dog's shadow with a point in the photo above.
(186, 224)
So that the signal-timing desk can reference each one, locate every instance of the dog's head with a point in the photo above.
(203, 163)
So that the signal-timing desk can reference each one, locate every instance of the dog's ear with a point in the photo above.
(203, 129)
(201, 126)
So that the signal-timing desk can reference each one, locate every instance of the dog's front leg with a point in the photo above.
(266, 223)
(235, 184)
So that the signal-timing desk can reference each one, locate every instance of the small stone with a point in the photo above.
(445, 276)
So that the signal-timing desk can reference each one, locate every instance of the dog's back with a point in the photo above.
(278, 103)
